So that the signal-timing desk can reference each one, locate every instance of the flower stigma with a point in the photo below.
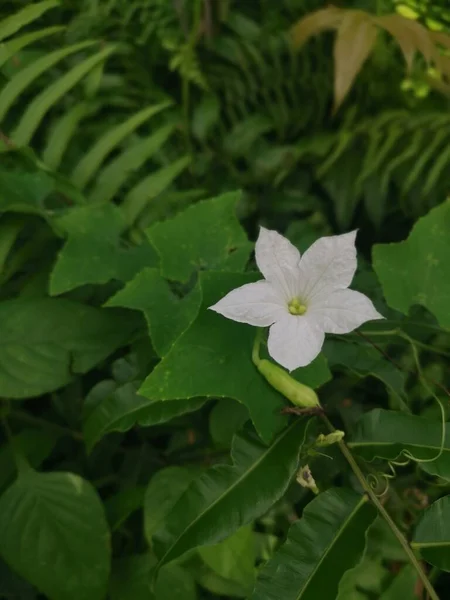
(296, 307)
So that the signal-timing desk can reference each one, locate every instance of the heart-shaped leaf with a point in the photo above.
(53, 532)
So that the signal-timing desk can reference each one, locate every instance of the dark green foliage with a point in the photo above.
(142, 455)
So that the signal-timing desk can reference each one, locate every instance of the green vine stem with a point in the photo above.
(383, 512)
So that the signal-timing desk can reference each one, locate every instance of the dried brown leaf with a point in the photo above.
(417, 35)
(354, 42)
(316, 22)
(395, 26)
(441, 38)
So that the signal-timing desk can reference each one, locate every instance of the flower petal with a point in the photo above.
(342, 311)
(328, 265)
(295, 341)
(254, 303)
(278, 260)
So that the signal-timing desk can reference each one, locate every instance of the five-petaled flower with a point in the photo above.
(301, 298)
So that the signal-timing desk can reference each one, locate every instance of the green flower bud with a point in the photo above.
(331, 438)
(296, 392)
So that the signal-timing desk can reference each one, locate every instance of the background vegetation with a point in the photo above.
(117, 115)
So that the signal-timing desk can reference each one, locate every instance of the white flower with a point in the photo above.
(300, 298)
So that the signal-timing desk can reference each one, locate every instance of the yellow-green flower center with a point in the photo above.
(296, 307)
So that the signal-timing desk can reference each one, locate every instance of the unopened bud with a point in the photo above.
(306, 480)
(331, 438)
(296, 392)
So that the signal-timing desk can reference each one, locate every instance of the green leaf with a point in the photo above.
(327, 541)
(38, 108)
(175, 583)
(53, 532)
(116, 172)
(207, 235)
(234, 558)
(45, 341)
(120, 506)
(226, 497)
(163, 492)
(364, 360)
(10, 228)
(119, 408)
(13, 23)
(13, 46)
(14, 88)
(34, 445)
(432, 534)
(213, 359)
(92, 160)
(131, 580)
(167, 315)
(139, 197)
(94, 252)
(239, 141)
(404, 585)
(24, 192)
(14, 587)
(417, 271)
(225, 419)
(205, 117)
(386, 434)
(62, 132)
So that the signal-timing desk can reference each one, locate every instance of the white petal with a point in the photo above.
(295, 341)
(328, 265)
(342, 311)
(278, 260)
(254, 303)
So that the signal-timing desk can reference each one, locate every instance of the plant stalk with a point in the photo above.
(386, 516)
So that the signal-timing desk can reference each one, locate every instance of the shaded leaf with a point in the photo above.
(432, 534)
(13, 23)
(116, 172)
(18, 84)
(130, 577)
(404, 585)
(225, 419)
(386, 434)
(119, 408)
(205, 116)
(226, 497)
(216, 353)
(120, 506)
(91, 161)
(42, 103)
(53, 532)
(24, 192)
(175, 583)
(45, 341)
(208, 236)
(417, 271)
(327, 541)
(62, 132)
(233, 559)
(163, 492)
(13, 46)
(139, 197)
(35, 446)
(364, 360)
